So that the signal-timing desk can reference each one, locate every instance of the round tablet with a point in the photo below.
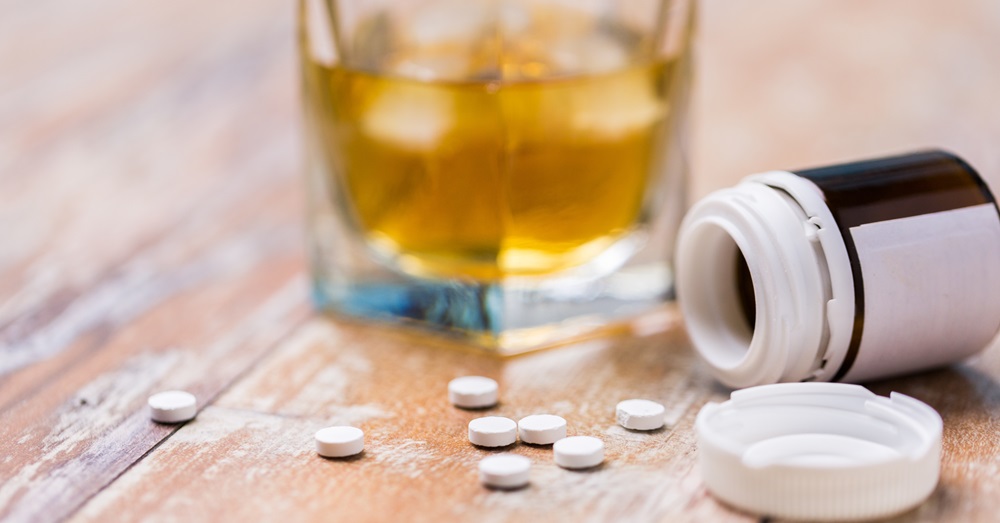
(492, 431)
(473, 392)
(504, 471)
(541, 429)
(640, 414)
(172, 406)
(339, 442)
(578, 452)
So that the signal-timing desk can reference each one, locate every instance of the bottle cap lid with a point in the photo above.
(814, 451)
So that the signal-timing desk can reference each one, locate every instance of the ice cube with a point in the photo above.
(618, 106)
(409, 115)
(588, 54)
(428, 67)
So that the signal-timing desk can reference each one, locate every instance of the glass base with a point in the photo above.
(508, 317)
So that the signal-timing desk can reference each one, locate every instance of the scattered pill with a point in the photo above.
(339, 442)
(473, 392)
(578, 452)
(172, 406)
(541, 429)
(492, 431)
(640, 414)
(507, 471)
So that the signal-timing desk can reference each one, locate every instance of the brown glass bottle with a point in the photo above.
(852, 272)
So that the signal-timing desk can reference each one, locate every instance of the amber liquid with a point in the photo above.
(519, 173)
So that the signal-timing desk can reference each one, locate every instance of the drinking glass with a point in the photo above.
(509, 171)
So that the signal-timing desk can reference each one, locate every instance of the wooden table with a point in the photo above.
(151, 227)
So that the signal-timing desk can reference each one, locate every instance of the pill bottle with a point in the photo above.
(845, 273)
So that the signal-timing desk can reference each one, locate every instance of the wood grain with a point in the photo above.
(150, 238)
(254, 446)
(253, 449)
(150, 217)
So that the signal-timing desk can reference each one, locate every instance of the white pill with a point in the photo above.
(578, 452)
(492, 431)
(172, 406)
(541, 429)
(504, 471)
(339, 442)
(473, 392)
(640, 414)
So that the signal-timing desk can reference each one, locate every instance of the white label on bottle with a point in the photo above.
(932, 289)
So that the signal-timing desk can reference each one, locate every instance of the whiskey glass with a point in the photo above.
(510, 172)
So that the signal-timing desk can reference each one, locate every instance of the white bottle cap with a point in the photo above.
(814, 451)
